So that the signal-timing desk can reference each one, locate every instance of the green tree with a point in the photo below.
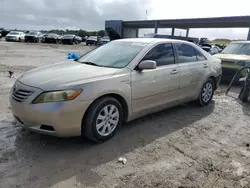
(101, 33)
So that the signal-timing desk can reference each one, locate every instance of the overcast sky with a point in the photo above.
(91, 14)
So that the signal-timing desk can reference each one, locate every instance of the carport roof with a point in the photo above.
(216, 22)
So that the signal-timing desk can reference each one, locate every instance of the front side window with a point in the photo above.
(162, 54)
(200, 56)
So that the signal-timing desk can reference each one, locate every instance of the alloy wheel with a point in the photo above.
(107, 120)
(207, 92)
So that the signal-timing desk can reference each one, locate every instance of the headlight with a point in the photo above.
(57, 96)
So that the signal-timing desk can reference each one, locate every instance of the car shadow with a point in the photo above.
(44, 160)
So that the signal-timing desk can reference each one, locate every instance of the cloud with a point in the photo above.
(85, 14)
(91, 14)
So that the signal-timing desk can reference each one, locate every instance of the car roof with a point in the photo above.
(151, 40)
(16, 31)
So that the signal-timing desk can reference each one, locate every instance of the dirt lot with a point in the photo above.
(183, 147)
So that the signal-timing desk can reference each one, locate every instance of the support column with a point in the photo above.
(156, 27)
(173, 31)
(248, 36)
(187, 32)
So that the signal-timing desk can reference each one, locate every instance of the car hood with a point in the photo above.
(31, 35)
(64, 75)
(232, 57)
(68, 37)
(51, 36)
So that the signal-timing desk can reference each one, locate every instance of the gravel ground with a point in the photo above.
(182, 147)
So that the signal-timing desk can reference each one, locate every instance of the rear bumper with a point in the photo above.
(218, 80)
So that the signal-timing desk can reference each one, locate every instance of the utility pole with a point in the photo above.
(146, 14)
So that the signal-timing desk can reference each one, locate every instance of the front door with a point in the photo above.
(157, 87)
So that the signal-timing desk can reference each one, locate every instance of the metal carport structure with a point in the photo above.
(127, 29)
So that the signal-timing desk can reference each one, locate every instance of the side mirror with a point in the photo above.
(147, 64)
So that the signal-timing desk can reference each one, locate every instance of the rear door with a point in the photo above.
(194, 69)
(157, 87)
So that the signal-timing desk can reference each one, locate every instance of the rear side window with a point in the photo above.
(200, 56)
(188, 53)
(163, 54)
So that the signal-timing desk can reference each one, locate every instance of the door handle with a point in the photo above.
(205, 66)
(174, 71)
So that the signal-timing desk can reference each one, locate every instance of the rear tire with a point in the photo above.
(206, 93)
(103, 119)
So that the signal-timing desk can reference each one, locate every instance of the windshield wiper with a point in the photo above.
(90, 63)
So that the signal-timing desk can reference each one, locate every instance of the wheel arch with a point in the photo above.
(118, 97)
(214, 80)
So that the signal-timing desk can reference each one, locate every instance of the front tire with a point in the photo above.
(206, 93)
(103, 119)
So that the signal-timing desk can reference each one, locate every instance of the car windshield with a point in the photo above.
(237, 48)
(52, 34)
(92, 37)
(14, 33)
(32, 33)
(69, 35)
(116, 54)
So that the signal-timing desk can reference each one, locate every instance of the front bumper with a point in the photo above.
(67, 41)
(51, 40)
(11, 39)
(30, 39)
(64, 119)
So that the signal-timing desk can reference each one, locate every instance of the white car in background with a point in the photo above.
(15, 36)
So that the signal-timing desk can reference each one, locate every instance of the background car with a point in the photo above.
(235, 56)
(210, 48)
(15, 36)
(33, 36)
(52, 38)
(43, 37)
(84, 38)
(115, 83)
(71, 39)
(104, 40)
(92, 40)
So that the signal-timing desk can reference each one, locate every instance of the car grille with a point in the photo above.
(21, 95)
(10, 37)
